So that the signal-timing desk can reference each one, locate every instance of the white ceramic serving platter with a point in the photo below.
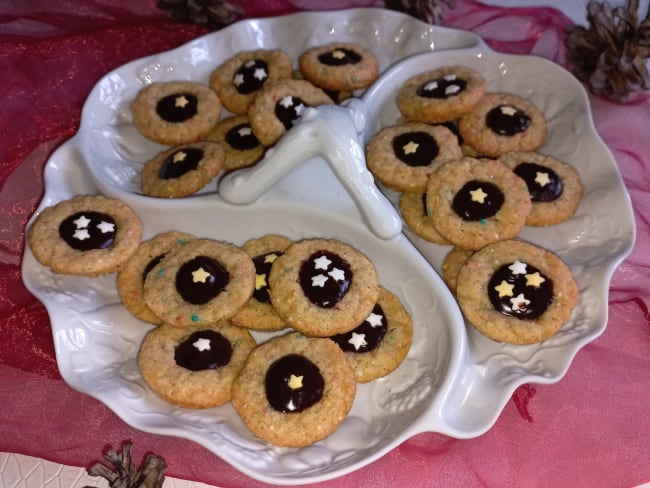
(453, 381)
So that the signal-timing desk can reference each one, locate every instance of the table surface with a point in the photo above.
(589, 429)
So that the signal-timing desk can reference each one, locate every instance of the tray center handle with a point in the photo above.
(332, 132)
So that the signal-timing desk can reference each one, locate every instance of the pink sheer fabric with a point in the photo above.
(590, 429)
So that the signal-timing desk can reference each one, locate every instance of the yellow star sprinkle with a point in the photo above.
(534, 279)
(295, 382)
(200, 275)
(338, 54)
(505, 289)
(260, 281)
(181, 101)
(478, 195)
(179, 156)
(542, 179)
(270, 258)
(410, 148)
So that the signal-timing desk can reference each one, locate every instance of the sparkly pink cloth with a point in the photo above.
(590, 429)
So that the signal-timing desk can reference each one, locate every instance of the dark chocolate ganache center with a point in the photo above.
(251, 76)
(293, 383)
(241, 137)
(325, 278)
(520, 290)
(151, 265)
(180, 162)
(339, 57)
(415, 148)
(544, 184)
(447, 86)
(177, 107)
(477, 200)
(204, 349)
(289, 110)
(85, 231)
(263, 265)
(201, 279)
(454, 129)
(507, 120)
(367, 336)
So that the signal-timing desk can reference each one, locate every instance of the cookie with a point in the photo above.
(440, 95)
(473, 202)
(258, 313)
(413, 209)
(501, 123)
(339, 66)
(403, 156)
(323, 287)
(555, 187)
(202, 282)
(182, 170)
(279, 105)
(87, 235)
(130, 278)
(238, 79)
(379, 344)
(337, 96)
(194, 367)
(451, 265)
(242, 149)
(175, 112)
(294, 390)
(513, 291)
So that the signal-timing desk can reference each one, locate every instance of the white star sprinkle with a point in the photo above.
(322, 262)
(260, 74)
(181, 101)
(299, 109)
(517, 268)
(200, 275)
(358, 340)
(542, 179)
(249, 63)
(337, 274)
(81, 222)
(202, 344)
(508, 110)
(374, 320)
(286, 101)
(432, 85)
(519, 302)
(245, 131)
(449, 77)
(451, 89)
(319, 280)
(238, 79)
(81, 234)
(106, 227)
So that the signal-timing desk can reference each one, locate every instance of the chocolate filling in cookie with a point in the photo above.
(367, 336)
(325, 278)
(289, 110)
(415, 148)
(507, 120)
(151, 265)
(520, 290)
(339, 57)
(544, 184)
(263, 265)
(177, 107)
(447, 86)
(84, 231)
(251, 76)
(205, 349)
(477, 200)
(201, 279)
(454, 129)
(293, 383)
(241, 137)
(180, 162)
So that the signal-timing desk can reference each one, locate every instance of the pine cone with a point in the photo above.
(427, 10)
(212, 14)
(610, 55)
